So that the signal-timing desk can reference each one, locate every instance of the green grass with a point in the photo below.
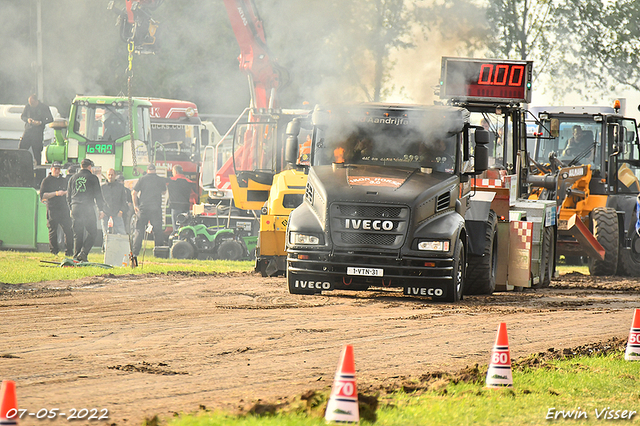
(583, 384)
(26, 267)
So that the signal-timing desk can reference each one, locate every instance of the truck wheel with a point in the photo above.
(548, 260)
(454, 292)
(605, 229)
(230, 250)
(183, 250)
(629, 258)
(481, 272)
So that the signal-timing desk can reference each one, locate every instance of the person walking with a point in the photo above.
(115, 204)
(83, 194)
(53, 191)
(35, 115)
(181, 193)
(147, 202)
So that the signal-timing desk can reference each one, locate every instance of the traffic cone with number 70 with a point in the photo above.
(633, 344)
(8, 404)
(343, 402)
(499, 372)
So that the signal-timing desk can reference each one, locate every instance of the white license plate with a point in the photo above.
(366, 272)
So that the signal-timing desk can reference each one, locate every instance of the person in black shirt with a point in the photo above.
(35, 115)
(83, 193)
(53, 191)
(115, 204)
(181, 191)
(128, 213)
(147, 202)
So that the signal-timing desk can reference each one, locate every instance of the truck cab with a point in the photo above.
(386, 198)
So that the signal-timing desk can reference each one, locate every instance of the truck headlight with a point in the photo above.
(296, 238)
(434, 245)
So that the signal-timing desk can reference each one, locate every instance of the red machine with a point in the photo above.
(175, 134)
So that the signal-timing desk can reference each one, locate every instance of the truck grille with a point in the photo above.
(365, 225)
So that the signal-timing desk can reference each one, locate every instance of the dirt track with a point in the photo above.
(156, 345)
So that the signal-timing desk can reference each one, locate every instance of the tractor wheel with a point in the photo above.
(548, 260)
(455, 290)
(183, 250)
(604, 222)
(230, 250)
(629, 258)
(481, 271)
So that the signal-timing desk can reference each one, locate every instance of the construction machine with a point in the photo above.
(256, 173)
(402, 195)
(588, 162)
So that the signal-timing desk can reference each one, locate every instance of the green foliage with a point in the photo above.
(27, 267)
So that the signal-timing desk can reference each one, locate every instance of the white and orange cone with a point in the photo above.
(8, 404)
(633, 344)
(343, 402)
(499, 372)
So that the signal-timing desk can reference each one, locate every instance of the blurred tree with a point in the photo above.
(601, 42)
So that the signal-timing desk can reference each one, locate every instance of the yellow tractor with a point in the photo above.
(589, 162)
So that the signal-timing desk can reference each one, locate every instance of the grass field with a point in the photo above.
(28, 267)
(576, 391)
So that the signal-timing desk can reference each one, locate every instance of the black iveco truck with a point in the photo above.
(387, 202)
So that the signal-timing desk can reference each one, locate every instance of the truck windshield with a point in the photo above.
(389, 145)
(175, 142)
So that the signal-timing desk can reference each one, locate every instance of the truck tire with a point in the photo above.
(230, 250)
(604, 222)
(183, 250)
(548, 259)
(455, 291)
(629, 258)
(481, 271)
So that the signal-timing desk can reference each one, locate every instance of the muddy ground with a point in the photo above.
(159, 345)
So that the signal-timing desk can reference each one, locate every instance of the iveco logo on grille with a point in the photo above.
(367, 224)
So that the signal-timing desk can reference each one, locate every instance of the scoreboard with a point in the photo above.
(486, 80)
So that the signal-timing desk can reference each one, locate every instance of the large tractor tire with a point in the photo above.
(604, 222)
(481, 271)
(629, 258)
(548, 260)
(456, 289)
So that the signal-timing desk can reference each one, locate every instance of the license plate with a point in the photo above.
(366, 272)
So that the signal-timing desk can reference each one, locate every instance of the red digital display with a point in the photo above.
(486, 80)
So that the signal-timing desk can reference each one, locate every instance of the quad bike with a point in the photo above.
(195, 240)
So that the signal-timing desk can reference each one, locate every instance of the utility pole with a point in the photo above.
(39, 65)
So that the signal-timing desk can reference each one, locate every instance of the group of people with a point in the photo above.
(71, 204)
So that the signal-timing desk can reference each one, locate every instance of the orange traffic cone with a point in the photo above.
(8, 404)
(633, 344)
(499, 372)
(343, 402)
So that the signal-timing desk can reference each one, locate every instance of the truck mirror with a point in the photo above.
(555, 128)
(481, 152)
(320, 118)
(291, 144)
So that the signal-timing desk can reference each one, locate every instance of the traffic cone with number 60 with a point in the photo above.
(633, 344)
(8, 404)
(499, 372)
(343, 402)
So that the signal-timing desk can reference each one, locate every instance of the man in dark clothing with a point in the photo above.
(181, 192)
(115, 204)
(53, 191)
(35, 115)
(83, 193)
(147, 202)
(128, 213)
